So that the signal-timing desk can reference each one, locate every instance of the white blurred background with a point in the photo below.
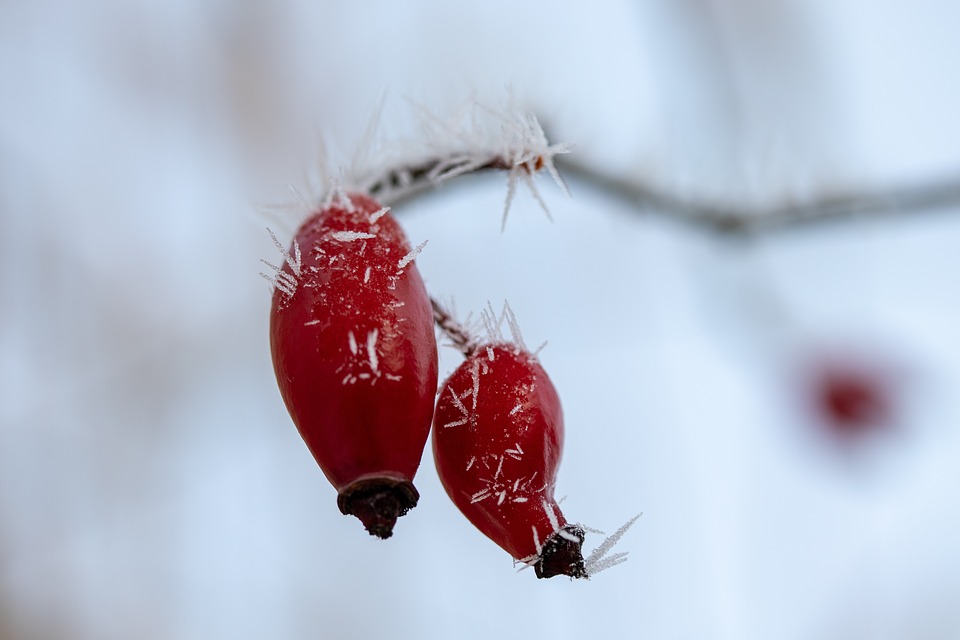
(151, 483)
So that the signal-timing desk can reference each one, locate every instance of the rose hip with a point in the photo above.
(354, 351)
(497, 443)
(853, 398)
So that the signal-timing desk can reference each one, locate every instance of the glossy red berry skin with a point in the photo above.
(355, 357)
(497, 443)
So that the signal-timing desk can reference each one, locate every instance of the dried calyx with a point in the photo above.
(378, 502)
(562, 554)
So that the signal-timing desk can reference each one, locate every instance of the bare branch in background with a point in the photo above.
(479, 139)
(726, 219)
(747, 220)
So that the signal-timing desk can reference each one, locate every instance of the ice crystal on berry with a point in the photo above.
(350, 236)
(407, 259)
(597, 560)
(364, 362)
(376, 215)
(493, 325)
(285, 282)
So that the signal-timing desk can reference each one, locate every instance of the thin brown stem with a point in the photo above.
(458, 335)
(733, 220)
(402, 184)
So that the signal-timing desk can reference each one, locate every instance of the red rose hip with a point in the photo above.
(852, 400)
(354, 351)
(497, 443)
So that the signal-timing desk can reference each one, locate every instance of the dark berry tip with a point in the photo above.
(378, 502)
(562, 554)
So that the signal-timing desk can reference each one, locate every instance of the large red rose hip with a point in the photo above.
(497, 442)
(354, 351)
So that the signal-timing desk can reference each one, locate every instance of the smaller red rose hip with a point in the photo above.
(497, 443)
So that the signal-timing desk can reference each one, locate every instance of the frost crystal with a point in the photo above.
(376, 215)
(407, 259)
(475, 374)
(566, 535)
(497, 485)
(457, 401)
(606, 563)
(595, 562)
(514, 326)
(554, 522)
(339, 197)
(516, 453)
(350, 236)
(493, 325)
(352, 341)
(372, 350)
(474, 137)
(459, 335)
(285, 282)
(532, 153)
(363, 356)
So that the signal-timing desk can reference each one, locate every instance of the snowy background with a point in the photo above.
(151, 483)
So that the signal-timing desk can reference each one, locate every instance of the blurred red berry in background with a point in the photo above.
(852, 399)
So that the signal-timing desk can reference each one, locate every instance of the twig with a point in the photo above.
(404, 184)
(458, 335)
(744, 221)
(399, 185)
(474, 139)
(479, 139)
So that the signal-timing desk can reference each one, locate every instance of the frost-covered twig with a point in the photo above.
(459, 335)
(478, 138)
(733, 220)
(466, 341)
(475, 139)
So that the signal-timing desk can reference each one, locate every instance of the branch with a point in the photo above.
(402, 184)
(478, 139)
(458, 335)
(744, 221)
(475, 139)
